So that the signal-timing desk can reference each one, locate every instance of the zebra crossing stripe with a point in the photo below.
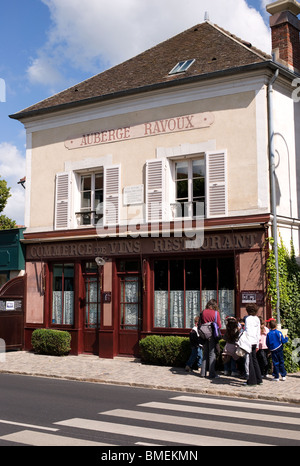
(179, 438)
(240, 404)
(217, 412)
(205, 424)
(40, 439)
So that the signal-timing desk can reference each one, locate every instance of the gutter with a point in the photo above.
(273, 186)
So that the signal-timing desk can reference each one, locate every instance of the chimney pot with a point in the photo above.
(284, 5)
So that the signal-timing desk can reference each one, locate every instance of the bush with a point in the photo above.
(51, 342)
(165, 351)
(290, 364)
(289, 288)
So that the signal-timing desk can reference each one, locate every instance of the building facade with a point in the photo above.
(148, 191)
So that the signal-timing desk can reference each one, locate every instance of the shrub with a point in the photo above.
(51, 342)
(165, 351)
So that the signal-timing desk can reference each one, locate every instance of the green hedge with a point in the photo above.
(51, 342)
(165, 351)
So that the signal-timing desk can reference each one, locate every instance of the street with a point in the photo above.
(49, 412)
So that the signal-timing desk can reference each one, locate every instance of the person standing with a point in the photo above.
(262, 353)
(275, 342)
(196, 348)
(209, 348)
(252, 328)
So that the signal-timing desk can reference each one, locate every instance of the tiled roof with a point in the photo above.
(213, 49)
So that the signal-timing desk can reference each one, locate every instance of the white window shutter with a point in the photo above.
(62, 201)
(155, 190)
(112, 184)
(217, 201)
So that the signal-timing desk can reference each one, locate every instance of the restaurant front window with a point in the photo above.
(182, 289)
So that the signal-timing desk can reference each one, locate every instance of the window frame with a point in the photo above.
(92, 211)
(182, 66)
(62, 324)
(191, 214)
(92, 276)
(218, 289)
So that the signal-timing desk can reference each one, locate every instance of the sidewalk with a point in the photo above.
(131, 372)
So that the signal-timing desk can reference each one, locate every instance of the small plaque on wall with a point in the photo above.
(252, 297)
(133, 195)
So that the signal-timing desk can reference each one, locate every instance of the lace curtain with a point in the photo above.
(130, 308)
(192, 300)
(192, 306)
(58, 315)
(226, 304)
(92, 304)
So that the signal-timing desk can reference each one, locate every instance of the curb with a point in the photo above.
(200, 391)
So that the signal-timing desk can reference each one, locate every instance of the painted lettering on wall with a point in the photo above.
(154, 128)
(116, 247)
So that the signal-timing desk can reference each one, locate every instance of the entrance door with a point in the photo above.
(92, 308)
(130, 307)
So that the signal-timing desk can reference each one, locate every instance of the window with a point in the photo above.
(198, 185)
(91, 198)
(189, 188)
(92, 295)
(182, 289)
(130, 295)
(130, 302)
(63, 294)
(182, 66)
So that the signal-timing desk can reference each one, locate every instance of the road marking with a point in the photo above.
(205, 424)
(179, 438)
(30, 426)
(210, 411)
(145, 444)
(267, 406)
(40, 439)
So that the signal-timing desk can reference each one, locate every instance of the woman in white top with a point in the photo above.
(252, 328)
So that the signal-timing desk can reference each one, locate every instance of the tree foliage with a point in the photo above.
(5, 222)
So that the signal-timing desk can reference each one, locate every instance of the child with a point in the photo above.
(262, 353)
(229, 355)
(275, 341)
(196, 354)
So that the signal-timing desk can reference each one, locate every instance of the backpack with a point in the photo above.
(205, 331)
(215, 328)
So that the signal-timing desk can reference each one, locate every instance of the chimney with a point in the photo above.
(285, 28)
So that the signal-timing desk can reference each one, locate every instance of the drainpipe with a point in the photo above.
(273, 186)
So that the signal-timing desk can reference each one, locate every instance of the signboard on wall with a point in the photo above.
(252, 297)
(116, 246)
(153, 128)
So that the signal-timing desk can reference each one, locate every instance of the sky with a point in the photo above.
(49, 45)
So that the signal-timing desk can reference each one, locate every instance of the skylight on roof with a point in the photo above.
(182, 66)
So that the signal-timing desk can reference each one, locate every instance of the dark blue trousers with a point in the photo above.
(278, 362)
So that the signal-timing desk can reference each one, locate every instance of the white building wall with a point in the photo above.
(286, 167)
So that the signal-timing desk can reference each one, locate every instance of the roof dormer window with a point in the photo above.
(182, 66)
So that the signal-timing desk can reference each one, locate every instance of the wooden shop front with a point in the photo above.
(110, 293)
